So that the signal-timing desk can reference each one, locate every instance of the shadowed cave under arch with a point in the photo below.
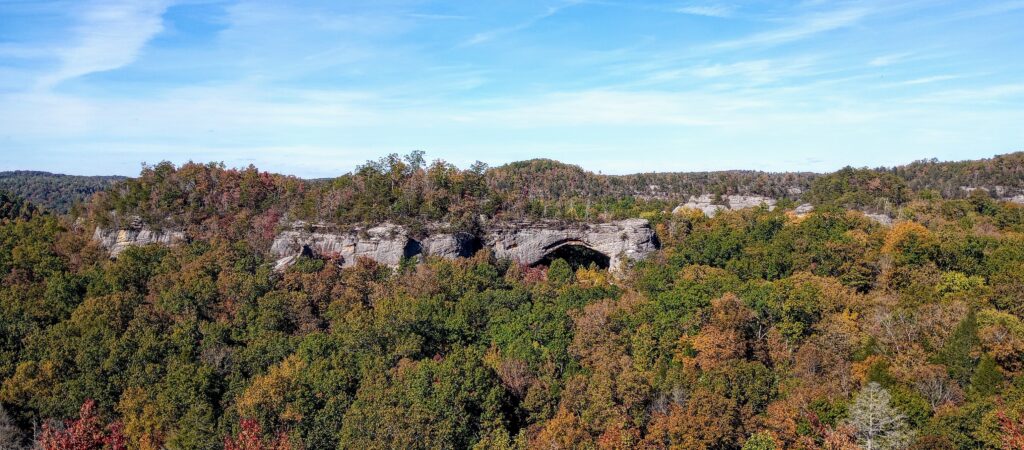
(577, 255)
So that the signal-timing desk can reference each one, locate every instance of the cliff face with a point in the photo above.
(116, 241)
(386, 244)
(523, 242)
(705, 203)
(529, 243)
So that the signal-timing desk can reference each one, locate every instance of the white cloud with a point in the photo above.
(803, 27)
(927, 80)
(109, 35)
(720, 11)
(489, 35)
(888, 60)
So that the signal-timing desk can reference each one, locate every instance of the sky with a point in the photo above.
(315, 88)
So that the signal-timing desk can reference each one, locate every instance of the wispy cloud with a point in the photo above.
(109, 35)
(720, 11)
(888, 60)
(928, 80)
(489, 35)
(802, 28)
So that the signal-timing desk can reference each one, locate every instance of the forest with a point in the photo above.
(755, 329)
(56, 192)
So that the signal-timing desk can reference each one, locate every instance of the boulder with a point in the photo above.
(882, 219)
(803, 209)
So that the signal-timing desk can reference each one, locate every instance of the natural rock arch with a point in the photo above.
(530, 242)
(577, 253)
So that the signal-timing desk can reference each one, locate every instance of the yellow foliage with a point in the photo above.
(590, 277)
(30, 380)
(904, 232)
(270, 392)
(143, 425)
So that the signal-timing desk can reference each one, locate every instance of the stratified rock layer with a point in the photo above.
(529, 242)
(705, 203)
(386, 244)
(116, 241)
(523, 242)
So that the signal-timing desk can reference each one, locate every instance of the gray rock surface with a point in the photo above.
(883, 219)
(450, 245)
(529, 242)
(803, 209)
(705, 203)
(116, 241)
(385, 243)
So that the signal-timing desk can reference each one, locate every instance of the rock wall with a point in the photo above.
(524, 242)
(116, 241)
(529, 242)
(705, 204)
(386, 244)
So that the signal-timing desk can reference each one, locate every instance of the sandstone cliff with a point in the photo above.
(116, 241)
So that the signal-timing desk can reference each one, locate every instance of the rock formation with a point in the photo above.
(705, 203)
(523, 242)
(882, 219)
(386, 244)
(530, 242)
(451, 245)
(803, 210)
(116, 241)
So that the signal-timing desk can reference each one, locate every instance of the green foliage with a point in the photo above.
(751, 329)
(858, 189)
(760, 441)
(54, 192)
(986, 379)
(957, 355)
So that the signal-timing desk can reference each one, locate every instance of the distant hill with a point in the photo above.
(1001, 175)
(54, 192)
(543, 187)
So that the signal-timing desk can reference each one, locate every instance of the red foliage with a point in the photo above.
(1013, 432)
(251, 438)
(85, 433)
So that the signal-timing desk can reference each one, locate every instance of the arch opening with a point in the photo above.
(577, 256)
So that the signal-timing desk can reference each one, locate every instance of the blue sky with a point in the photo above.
(315, 88)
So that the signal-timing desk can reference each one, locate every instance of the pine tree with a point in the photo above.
(957, 353)
(987, 378)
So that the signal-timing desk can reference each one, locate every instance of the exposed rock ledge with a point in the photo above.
(523, 242)
(116, 241)
(529, 243)
(705, 203)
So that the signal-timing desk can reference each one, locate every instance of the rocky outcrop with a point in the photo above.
(881, 219)
(530, 242)
(451, 245)
(116, 241)
(524, 242)
(705, 203)
(803, 210)
(386, 244)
